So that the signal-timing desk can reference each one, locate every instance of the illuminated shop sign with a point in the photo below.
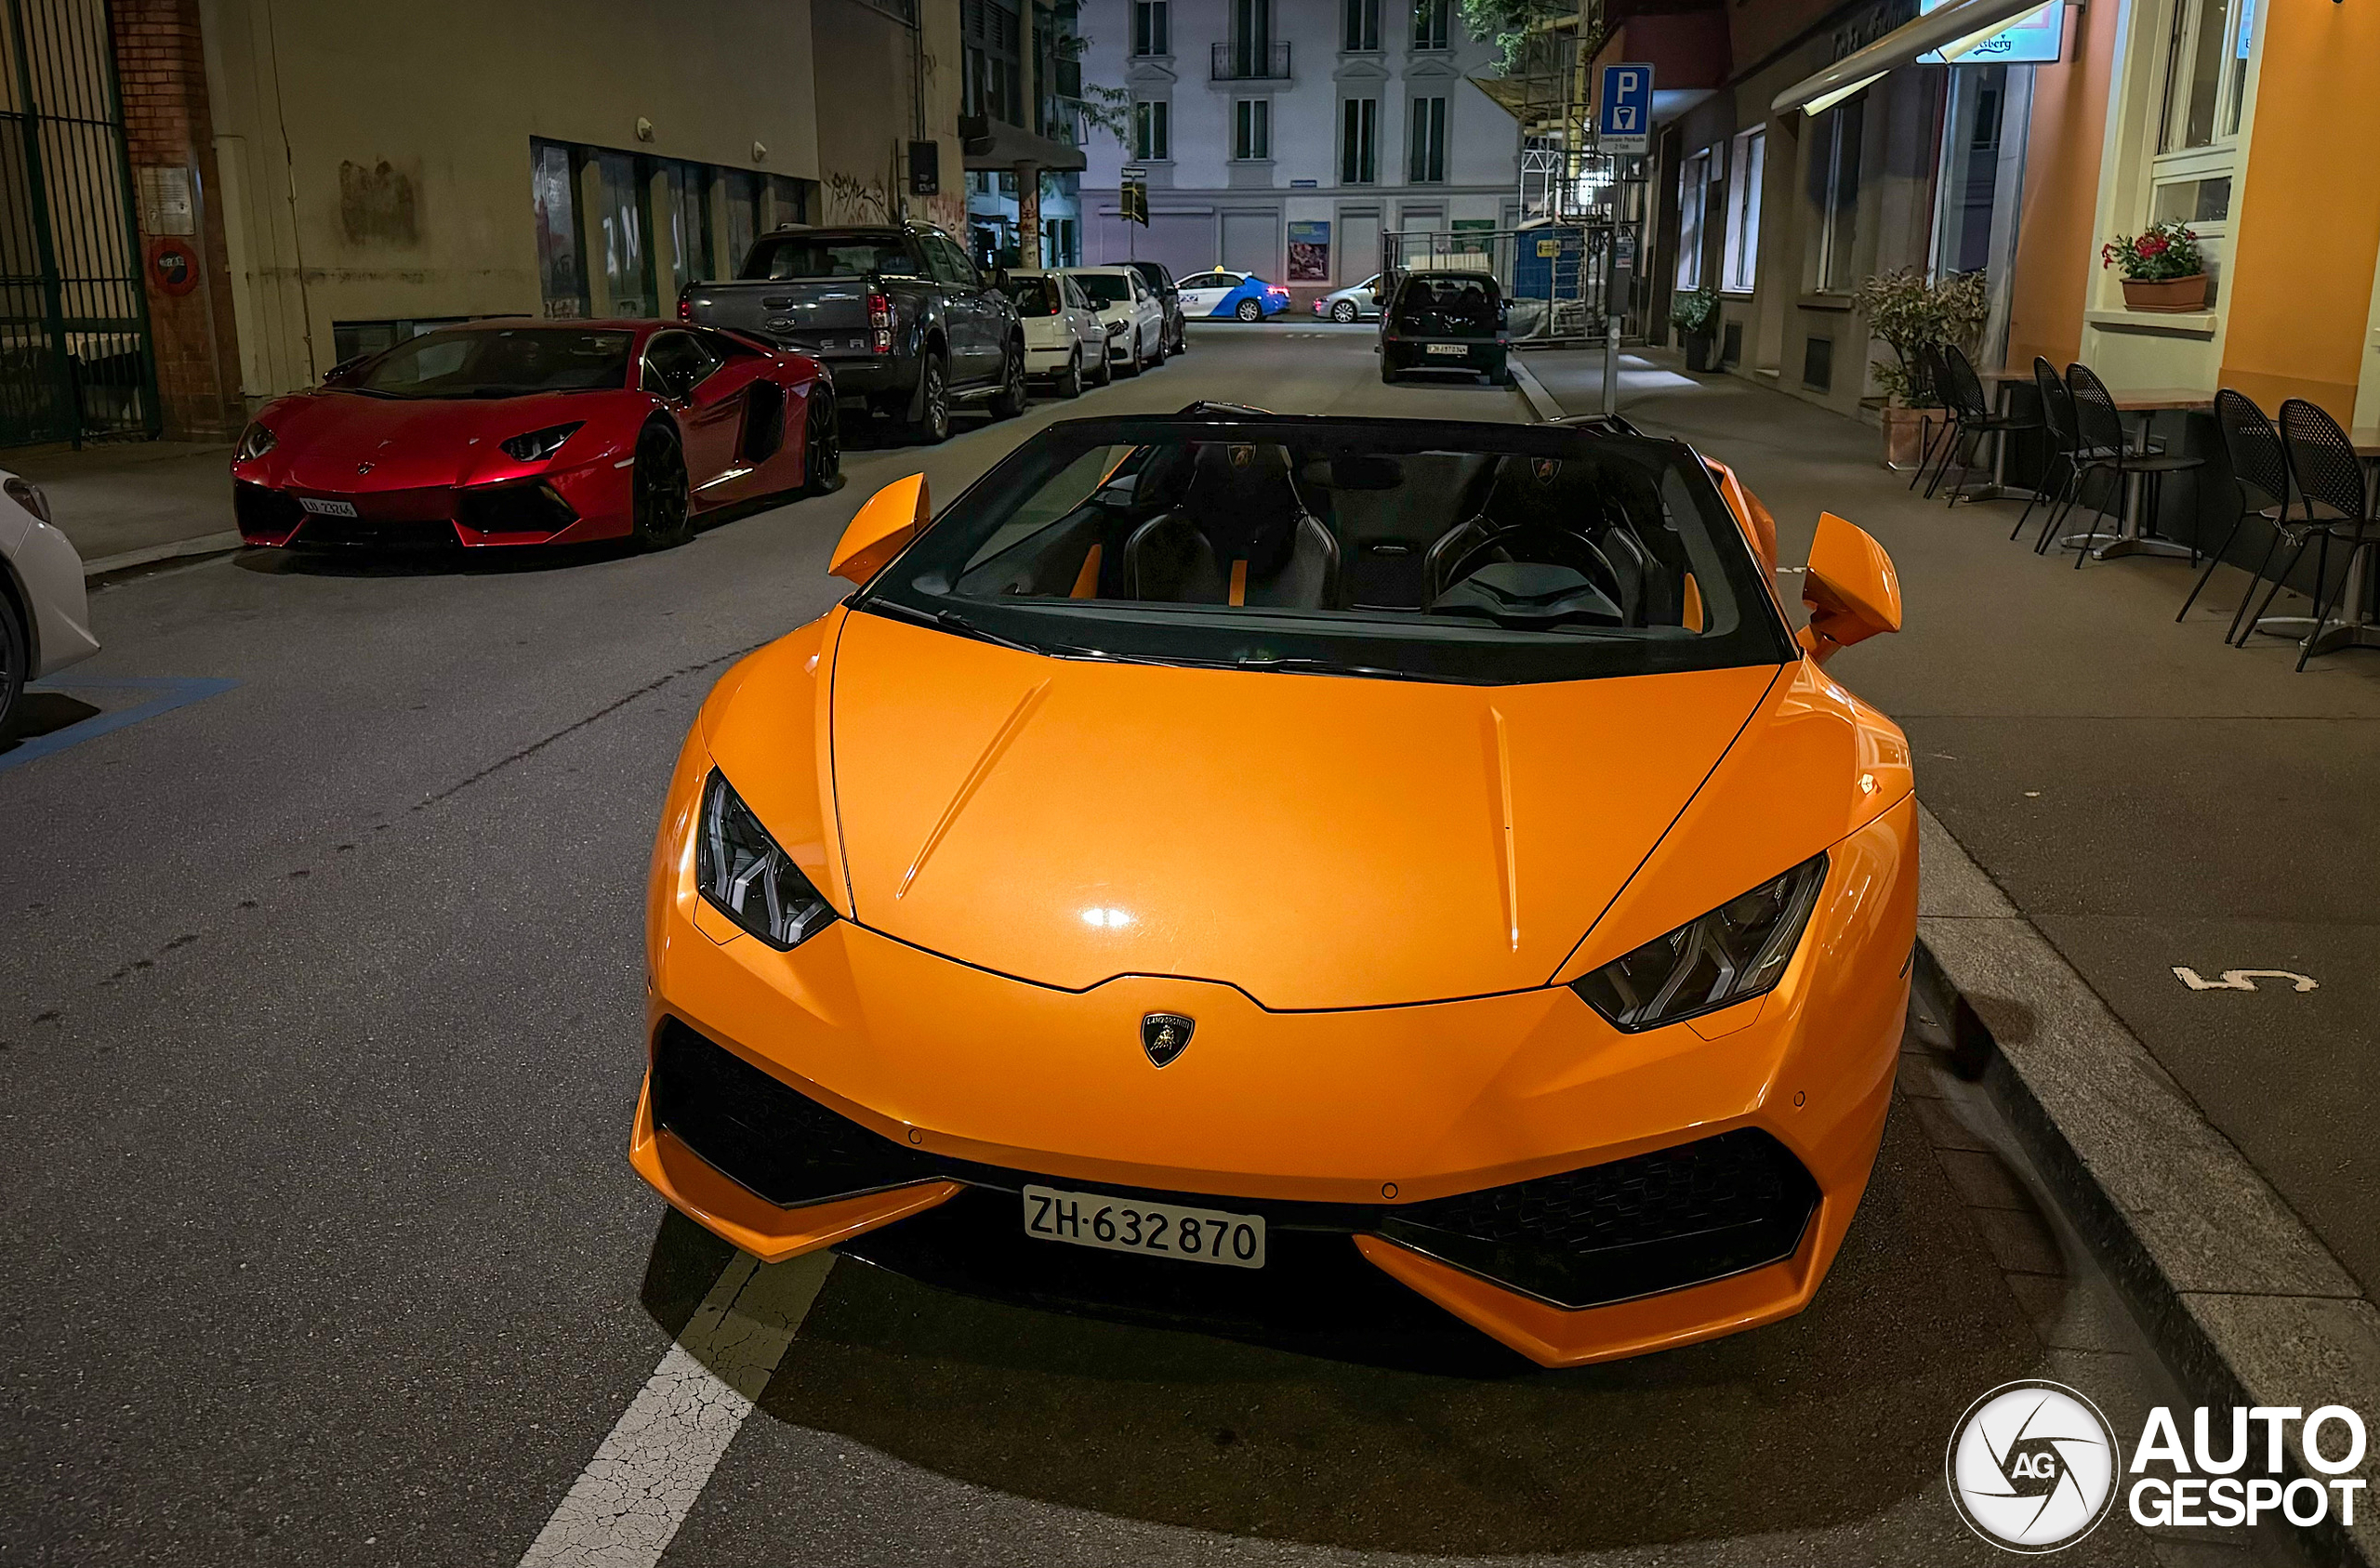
(2034, 39)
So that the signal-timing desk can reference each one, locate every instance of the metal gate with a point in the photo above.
(1553, 274)
(77, 362)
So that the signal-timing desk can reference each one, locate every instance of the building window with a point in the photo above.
(1747, 162)
(1151, 136)
(1834, 186)
(1152, 26)
(1427, 164)
(1359, 141)
(554, 193)
(2207, 72)
(991, 77)
(1430, 24)
(1252, 129)
(1362, 32)
(1693, 187)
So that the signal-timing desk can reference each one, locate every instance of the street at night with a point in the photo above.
(557, 899)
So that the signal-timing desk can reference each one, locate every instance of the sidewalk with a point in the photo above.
(2146, 799)
(132, 498)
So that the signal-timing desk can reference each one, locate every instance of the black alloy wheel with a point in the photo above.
(932, 426)
(662, 519)
(15, 662)
(1343, 311)
(1249, 311)
(822, 443)
(1069, 384)
(1009, 401)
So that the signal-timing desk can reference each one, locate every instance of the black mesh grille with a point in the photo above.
(1606, 1232)
(259, 510)
(514, 508)
(1610, 1231)
(765, 1134)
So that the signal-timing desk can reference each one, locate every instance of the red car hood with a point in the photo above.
(326, 438)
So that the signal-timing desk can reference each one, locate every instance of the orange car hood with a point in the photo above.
(1316, 841)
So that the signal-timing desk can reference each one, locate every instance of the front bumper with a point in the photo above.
(1577, 1193)
(591, 501)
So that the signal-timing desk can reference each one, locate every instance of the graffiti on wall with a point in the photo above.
(851, 199)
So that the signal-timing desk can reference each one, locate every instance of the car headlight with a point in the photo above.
(254, 441)
(1736, 952)
(739, 868)
(538, 445)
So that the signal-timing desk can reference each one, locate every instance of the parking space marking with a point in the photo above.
(626, 1504)
(172, 692)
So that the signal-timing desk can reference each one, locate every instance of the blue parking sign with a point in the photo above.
(1624, 110)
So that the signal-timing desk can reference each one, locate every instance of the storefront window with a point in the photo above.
(1747, 163)
(552, 194)
(619, 233)
(740, 206)
(1693, 184)
(1835, 191)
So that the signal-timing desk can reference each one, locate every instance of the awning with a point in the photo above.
(1954, 29)
(985, 143)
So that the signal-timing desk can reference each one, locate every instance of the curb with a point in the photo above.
(204, 544)
(1541, 401)
(2244, 1303)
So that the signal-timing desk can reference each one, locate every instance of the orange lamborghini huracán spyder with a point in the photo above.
(1301, 873)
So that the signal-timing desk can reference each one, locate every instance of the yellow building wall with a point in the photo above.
(2056, 241)
(2300, 284)
(432, 103)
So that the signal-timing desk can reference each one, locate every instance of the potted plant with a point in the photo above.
(1911, 313)
(2163, 268)
(1696, 316)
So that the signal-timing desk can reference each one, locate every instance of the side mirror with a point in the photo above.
(889, 521)
(344, 369)
(1851, 589)
(999, 279)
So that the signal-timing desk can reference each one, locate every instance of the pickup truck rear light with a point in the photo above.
(880, 321)
(686, 305)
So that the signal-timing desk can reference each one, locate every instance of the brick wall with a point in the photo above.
(161, 69)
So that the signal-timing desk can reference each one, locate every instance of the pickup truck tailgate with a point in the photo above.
(829, 317)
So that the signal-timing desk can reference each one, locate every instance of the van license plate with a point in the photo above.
(1455, 351)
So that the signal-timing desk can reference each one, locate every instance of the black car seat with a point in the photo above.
(1389, 510)
(1241, 535)
(1557, 511)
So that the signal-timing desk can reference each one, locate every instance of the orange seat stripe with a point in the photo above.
(1239, 582)
(1087, 580)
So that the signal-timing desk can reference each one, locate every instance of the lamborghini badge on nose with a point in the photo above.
(1165, 1035)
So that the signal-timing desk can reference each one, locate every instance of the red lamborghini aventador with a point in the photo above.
(513, 431)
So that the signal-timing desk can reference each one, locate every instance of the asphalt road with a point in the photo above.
(319, 1008)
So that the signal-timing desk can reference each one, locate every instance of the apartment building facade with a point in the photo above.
(1284, 137)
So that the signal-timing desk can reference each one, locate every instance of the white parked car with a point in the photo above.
(1065, 343)
(44, 621)
(1131, 313)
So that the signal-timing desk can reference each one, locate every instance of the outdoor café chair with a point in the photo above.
(2098, 427)
(1962, 390)
(2260, 469)
(2337, 502)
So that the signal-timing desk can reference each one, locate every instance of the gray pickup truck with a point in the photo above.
(899, 315)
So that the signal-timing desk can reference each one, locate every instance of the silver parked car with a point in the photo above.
(44, 621)
(1356, 302)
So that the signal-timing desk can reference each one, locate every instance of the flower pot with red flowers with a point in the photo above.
(2163, 268)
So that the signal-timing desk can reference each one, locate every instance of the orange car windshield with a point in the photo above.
(1392, 548)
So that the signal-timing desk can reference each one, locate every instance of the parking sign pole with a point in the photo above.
(1623, 128)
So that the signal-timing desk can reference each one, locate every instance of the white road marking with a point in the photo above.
(628, 1503)
(2243, 980)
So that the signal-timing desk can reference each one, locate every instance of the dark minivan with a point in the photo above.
(1445, 321)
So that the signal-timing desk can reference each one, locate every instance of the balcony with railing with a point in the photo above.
(1250, 61)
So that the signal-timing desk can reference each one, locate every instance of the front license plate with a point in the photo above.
(1199, 1235)
(1453, 351)
(327, 508)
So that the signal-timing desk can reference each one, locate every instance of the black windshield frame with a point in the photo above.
(484, 349)
(919, 586)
